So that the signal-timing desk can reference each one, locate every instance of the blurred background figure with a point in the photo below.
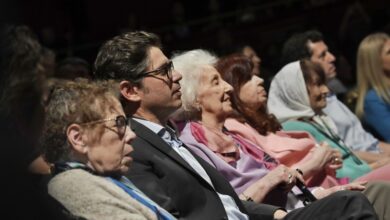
(73, 67)
(251, 54)
(24, 65)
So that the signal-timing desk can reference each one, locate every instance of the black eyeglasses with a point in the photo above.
(121, 123)
(164, 70)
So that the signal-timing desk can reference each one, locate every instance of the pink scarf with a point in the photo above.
(226, 145)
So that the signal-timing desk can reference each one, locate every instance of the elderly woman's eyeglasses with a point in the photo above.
(121, 123)
(164, 70)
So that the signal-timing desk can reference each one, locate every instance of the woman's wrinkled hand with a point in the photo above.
(282, 176)
(321, 155)
(336, 160)
(358, 186)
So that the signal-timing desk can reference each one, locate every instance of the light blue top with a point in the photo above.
(377, 114)
(349, 126)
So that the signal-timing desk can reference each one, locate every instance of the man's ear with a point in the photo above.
(129, 91)
(75, 137)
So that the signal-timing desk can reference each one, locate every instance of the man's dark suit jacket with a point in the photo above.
(169, 180)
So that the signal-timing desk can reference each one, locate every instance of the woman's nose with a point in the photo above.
(129, 135)
(176, 76)
(257, 59)
(261, 80)
(228, 87)
(324, 89)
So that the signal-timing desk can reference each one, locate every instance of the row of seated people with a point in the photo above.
(89, 138)
(254, 175)
(372, 105)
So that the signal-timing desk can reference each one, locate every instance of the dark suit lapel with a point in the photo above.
(157, 142)
(220, 183)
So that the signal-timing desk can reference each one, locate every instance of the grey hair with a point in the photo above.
(71, 102)
(191, 64)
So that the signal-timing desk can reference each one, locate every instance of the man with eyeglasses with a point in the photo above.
(165, 169)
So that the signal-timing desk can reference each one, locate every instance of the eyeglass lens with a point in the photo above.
(166, 69)
(169, 69)
(121, 123)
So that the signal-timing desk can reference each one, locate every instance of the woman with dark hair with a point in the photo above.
(251, 120)
(24, 65)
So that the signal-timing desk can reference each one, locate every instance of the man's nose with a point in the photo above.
(331, 57)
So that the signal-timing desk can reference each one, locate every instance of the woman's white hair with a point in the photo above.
(190, 64)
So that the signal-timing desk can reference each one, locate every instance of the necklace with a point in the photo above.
(325, 129)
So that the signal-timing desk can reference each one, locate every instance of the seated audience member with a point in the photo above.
(164, 168)
(251, 172)
(72, 68)
(22, 90)
(24, 64)
(250, 119)
(87, 138)
(311, 45)
(297, 97)
(373, 71)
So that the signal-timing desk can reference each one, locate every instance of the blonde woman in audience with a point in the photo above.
(373, 72)
(87, 138)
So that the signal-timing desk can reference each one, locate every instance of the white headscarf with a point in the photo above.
(288, 98)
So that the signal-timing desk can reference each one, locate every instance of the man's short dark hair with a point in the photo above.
(125, 56)
(296, 47)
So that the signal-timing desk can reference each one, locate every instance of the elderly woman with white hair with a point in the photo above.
(206, 105)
